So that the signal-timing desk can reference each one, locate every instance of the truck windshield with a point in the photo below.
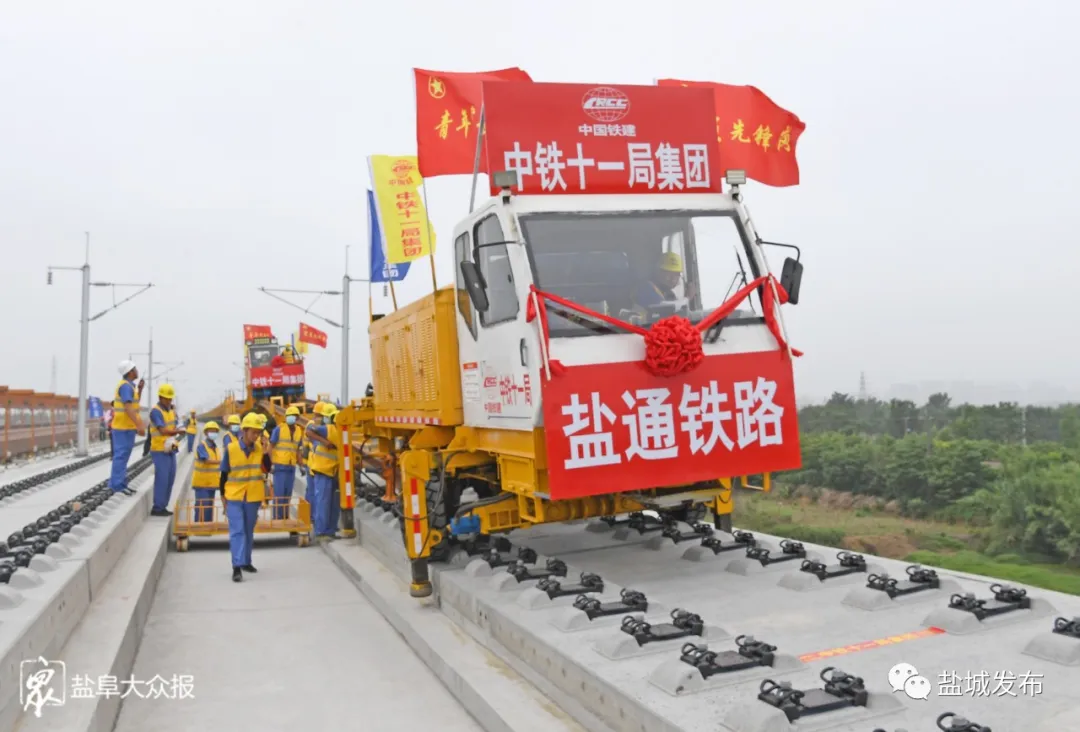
(637, 267)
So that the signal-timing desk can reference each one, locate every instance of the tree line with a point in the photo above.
(1005, 422)
(1011, 471)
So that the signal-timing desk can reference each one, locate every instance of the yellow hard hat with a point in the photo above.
(292, 411)
(211, 426)
(262, 419)
(166, 391)
(671, 262)
(328, 410)
(251, 422)
(317, 408)
(233, 419)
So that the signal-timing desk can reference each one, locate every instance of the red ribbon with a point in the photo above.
(673, 344)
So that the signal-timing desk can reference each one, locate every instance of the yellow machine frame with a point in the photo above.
(413, 429)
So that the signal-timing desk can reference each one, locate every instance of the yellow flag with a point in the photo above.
(403, 223)
(301, 347)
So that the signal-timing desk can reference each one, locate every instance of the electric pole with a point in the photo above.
(84, 333)
(346, 281)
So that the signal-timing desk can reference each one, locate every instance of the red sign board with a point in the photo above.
(616, 427)
(271, 377)
(584, 138)
(251, 332)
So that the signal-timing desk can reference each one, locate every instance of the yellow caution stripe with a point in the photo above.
(867, 645)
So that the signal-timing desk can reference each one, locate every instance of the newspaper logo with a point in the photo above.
(42, 683)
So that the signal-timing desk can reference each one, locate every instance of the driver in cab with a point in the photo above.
(660, 287)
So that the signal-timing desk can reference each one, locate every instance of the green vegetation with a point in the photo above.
(988, 490)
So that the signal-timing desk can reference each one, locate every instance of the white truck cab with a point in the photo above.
(612, 254)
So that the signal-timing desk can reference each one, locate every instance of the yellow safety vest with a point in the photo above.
(157, 440)
(192, 426)
(310, 448)
(325, 461)
(245, 481)
(207, 472)
(285, 450)
(120, 420)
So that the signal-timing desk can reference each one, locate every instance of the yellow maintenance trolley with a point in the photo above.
(276, 516)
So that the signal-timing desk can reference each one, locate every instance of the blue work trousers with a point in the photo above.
(323, 505)
(190, 443)
(164, 477)
(242, 517)
(284, 479)
(204, 504)
(123, 442)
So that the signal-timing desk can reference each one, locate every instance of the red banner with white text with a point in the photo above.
(615, 427)
(272, 377)
(587, 138)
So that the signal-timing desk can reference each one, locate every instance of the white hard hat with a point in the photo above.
(126, 366)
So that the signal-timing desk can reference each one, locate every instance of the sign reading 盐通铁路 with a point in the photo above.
(407, 234)
(588, 138)
(615, 426)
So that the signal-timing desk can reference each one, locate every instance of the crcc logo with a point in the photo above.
(605, 104)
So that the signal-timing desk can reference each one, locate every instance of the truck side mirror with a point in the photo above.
(474, 283)
(791, 279)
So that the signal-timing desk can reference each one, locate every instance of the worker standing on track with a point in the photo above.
(324, 463)
(164, 434)
(126, 423)
(191, 430)
(233, 421)
(207, 473)
(284, 455)
(242, 466)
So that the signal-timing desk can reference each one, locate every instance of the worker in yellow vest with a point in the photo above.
(241, 482)
(284, 456)
(164, 433)
(192, 429)
(307, 451)
(325, 438)
(126, 423)
(233, 421)
(207, 473)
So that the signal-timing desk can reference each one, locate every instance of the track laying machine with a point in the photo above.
(599, 354)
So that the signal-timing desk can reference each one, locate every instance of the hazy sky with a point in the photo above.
(215, 147)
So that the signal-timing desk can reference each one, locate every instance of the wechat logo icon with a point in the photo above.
(905, 677)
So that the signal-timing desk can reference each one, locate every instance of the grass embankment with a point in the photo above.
(917, 541)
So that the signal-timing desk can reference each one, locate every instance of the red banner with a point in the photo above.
(448, 118)
(270, 377)
(314, 336)
(755, 133)
(584, 138)
(251, 332)
(615, 427)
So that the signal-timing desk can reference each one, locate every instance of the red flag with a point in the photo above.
(755, 133)
(447, 115)
(251, 332)
(314, 336)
